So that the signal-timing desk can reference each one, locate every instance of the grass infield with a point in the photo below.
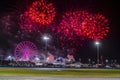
(60, 72)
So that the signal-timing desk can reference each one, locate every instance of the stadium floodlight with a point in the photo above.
(97, 43)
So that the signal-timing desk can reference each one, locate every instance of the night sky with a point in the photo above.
(109, 47)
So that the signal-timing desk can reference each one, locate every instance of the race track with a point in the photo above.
(52, 78)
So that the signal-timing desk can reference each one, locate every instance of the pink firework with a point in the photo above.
(42, 12)
(7, 23)
(27, 24)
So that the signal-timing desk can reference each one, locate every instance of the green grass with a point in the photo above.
(64, 72)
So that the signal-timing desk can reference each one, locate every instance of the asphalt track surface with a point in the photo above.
(52, 78)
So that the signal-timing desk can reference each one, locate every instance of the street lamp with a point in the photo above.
(46, 38)
(97, 43)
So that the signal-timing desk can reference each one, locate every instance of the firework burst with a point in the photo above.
(42, 12)
(69, 28)
(28, 25)
(99, 27)
(82, 25)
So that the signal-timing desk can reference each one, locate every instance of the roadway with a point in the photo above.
(52, 78)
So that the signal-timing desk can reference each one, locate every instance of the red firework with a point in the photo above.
(69, 29)
(26, 24)
(80, 25)
(86, 28)
(84, 24)
(99, 27)
(71, 24)
(42, 12)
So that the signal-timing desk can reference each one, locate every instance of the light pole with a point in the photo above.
(97, 43)
(46, 38)
(1, 58)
